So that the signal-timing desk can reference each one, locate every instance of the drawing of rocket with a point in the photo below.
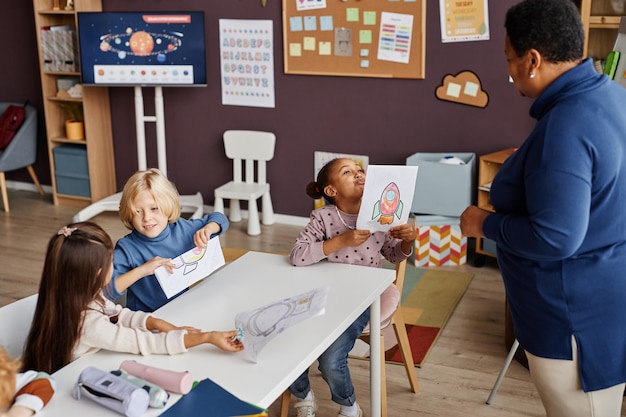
(388, 205)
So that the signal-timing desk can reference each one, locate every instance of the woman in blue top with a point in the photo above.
(559, 220)
(150, 207)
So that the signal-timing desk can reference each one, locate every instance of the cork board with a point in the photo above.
(355, 38)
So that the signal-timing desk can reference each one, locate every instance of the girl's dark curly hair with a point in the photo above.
(553, 27)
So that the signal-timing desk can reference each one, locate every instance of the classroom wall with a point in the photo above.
(387, 119)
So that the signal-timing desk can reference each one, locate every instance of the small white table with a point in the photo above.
(252, 281)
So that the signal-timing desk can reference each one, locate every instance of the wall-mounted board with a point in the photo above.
(355, 38)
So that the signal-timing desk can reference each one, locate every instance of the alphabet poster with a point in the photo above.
(247, 62)
(387, 197)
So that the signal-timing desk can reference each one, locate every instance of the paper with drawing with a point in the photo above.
(190, 267)
(257, 327)
(387, 197)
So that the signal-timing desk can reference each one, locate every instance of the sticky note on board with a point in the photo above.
(325, 48)
(308, 43)
(295, 24)
(369, 18)
(295, 49)
(365, 36)
(326, 23)
(310, 23)
(352, 14)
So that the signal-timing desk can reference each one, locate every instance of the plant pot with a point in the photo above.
(74, 130)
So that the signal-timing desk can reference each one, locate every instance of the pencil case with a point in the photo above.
(158, 396)
(111, 392)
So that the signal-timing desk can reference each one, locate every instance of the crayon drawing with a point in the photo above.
(190, 267)
(387, 189)
(257, 327)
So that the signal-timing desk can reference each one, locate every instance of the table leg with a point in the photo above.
(375, 352)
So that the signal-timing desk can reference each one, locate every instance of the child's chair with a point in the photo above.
(15, 321)
(21, 151)
(390, 314)
(251, 147)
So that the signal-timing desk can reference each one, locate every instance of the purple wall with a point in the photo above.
(385, 119)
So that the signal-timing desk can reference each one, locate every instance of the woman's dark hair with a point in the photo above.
(78, 259)
(553, 27)
(315, 189)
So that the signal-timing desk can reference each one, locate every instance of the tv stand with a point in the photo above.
(112, 202)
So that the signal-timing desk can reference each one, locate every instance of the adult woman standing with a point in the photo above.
(559, 219)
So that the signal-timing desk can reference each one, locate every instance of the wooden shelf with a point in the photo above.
(488, 167)
(98, 140)
(601, 22)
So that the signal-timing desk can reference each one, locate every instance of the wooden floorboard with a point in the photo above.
(455, 380)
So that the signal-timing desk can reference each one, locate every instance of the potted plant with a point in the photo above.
(74, 126)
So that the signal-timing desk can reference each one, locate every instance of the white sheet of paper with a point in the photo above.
(262, 324)
(387, 197)
(191, 267)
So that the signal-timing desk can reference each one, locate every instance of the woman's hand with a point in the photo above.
(472, 220)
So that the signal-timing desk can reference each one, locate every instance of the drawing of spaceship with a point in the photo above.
(388, 205)
(189, 260)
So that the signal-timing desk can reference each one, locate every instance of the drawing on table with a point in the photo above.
(381, 210)
(190, 267)
(257, 327)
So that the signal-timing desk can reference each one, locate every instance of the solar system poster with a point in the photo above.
(135, 48)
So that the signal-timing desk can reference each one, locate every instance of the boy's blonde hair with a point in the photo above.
(163, 191)
(8, 370)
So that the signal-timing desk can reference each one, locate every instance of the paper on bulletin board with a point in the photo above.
(247, 62)
(394, 42)
(464, 20)
(387, 197)
(191, 267)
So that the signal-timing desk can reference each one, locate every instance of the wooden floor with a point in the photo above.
(455, 380)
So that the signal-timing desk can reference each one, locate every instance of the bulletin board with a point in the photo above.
(355, 38)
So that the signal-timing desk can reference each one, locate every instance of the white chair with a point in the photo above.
(15, 320)
(248, 148)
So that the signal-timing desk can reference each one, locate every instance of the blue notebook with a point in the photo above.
(211, 400)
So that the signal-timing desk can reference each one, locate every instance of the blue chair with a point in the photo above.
(21, 152)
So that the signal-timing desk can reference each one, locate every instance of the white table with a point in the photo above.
(252, 281)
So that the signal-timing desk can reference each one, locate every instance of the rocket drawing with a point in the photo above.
(388, 205)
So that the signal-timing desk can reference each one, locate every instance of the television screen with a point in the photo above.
(136, 48)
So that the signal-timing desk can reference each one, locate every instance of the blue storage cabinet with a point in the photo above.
(71, 170)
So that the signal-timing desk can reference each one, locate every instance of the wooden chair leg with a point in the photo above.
(3, 188)
(33, 175)
(405, 348)
(383, 379)
(284, 403)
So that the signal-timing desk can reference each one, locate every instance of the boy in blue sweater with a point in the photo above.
(150, 207)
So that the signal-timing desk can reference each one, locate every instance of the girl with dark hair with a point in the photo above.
(72, 318)
(332, 236)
